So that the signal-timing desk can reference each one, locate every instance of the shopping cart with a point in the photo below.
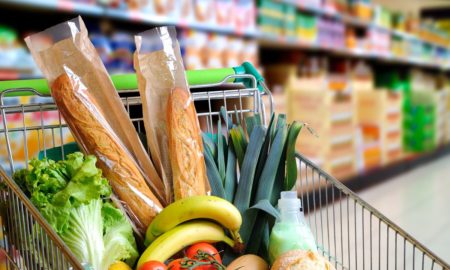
(349, 232)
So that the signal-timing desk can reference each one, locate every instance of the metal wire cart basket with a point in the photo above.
(350, 233)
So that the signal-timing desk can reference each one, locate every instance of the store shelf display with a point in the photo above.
(199, 15)
(282, 23)
(15, 62)
(379, 116)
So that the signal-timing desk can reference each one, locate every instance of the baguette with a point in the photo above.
(185, 146)
(96, 137)
(301, 260)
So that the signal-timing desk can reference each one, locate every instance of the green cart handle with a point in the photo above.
(129, 81)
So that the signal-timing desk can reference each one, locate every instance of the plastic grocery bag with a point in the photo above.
(89, 103)
(171, 123)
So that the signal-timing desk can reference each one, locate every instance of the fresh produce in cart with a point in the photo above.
(197, 207)
(209, 201)
(74, 198)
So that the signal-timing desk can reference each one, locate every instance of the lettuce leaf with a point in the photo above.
(73, 197)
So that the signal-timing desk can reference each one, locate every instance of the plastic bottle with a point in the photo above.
(291, 231)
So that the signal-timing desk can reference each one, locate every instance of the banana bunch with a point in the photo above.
(188, 221)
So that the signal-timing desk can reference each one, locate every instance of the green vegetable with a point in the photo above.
(230, 177)
(213, 175)
(245, 186)
(291, 163)
(267, 166)
(220, 152)
(239, 142)
(73, 197)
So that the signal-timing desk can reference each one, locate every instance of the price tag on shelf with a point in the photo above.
(65, 5)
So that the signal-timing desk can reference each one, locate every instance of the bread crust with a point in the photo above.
(95, 137)
(301, 260)
(185, 146)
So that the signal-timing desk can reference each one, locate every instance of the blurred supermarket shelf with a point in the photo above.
(265, 40)
(80, 8)
(270, 41)
(351, 20)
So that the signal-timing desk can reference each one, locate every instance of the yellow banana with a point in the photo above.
(171, 242)
(196, 207)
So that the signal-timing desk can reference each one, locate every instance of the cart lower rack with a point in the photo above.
(349, 232)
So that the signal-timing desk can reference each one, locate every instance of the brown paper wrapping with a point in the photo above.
(177, 153)
(96, 116)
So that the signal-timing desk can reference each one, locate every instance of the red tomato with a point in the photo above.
(153, 265)
(177, 264)
(174, 265)
(192, 251)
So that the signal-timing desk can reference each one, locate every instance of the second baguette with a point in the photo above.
(185, 146)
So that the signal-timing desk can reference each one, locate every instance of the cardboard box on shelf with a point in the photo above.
(330, 115)
(379, 114)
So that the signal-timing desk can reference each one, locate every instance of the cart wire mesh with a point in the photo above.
(349, 232)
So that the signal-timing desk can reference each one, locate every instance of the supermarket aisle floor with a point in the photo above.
(419, 202)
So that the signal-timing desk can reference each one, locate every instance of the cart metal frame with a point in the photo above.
(349, 232)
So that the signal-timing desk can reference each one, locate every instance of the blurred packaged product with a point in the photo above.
(399, 21)
(271, 17)
(420, 122)
(398, 46)
(441, 56)
(122, 45)
(361, 9)
(306, 27)
(216, 53)
(233, 53)
(382, 16)
(225, 10)
(194, 46)
(116, 52)
(379, 116)
(420, 111)
(244, 15)
(15, 61)
(380, 41)
(331, 33)
(289, 20)
(204, 11)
